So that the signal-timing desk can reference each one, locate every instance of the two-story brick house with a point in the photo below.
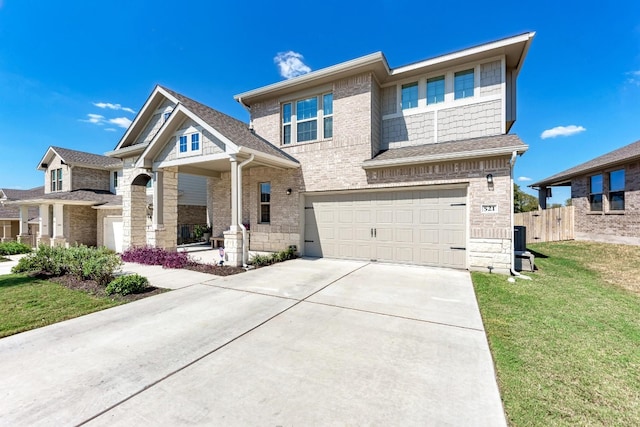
(358, 160)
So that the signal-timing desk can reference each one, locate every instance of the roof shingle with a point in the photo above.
(86, 159)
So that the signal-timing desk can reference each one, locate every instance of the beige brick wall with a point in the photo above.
(189, 214)
(80, 225)
(608, 226)
(93, 179)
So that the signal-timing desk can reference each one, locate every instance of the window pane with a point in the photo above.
(195, 142)
(410, 95)
(183, 144)
(265, 213)
(307, 108)
(286, 113)
(595, 200)
(616, 201)
(596, 184)
(265, 192)
(307, 131)
(327, 104)
(286, 134)
(328, 127)
(115, 179)
(463, 84)
(616, 180)
(435, 90)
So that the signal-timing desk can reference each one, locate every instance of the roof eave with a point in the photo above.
(409, 161)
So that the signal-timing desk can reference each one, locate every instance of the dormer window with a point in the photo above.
(188, 142)
(56, 179)
(165, 116)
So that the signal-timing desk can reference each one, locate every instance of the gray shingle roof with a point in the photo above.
(488, 143)
(13, 212)
(624, 154)
(234, 129)
(15, 194)
(86, 159)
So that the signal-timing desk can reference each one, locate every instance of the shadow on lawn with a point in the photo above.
(8, 281)
(537, 254)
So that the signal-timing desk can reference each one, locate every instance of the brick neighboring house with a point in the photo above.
(605, 193)
(10, 215)
(357, 161)
(80, 201)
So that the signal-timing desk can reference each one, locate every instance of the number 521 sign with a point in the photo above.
(489, 209)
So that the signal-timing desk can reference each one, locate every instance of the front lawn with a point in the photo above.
(567, 344)
(28, 302)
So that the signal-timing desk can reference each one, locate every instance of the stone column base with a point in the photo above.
(43, 240)
(7, 239)
(24, 238)
(233, 248)
(59, 241)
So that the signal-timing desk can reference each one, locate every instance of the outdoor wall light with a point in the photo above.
(288, 191)
(490, 179)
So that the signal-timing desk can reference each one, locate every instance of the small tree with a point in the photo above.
(568, 202)
(523, 202)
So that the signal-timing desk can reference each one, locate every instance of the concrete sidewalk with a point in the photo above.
(305, 342)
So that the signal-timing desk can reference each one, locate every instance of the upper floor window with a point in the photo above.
(189, 143)
(56, 179)
(115, 179)
(616, 190)
(410, 95)
(310, 119)
(265, 202)
(165, 116)
(435, 90)
(595, 193)
(463, 82)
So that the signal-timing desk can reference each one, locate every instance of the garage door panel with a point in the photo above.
(408, 226)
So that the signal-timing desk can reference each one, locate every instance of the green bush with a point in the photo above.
(44, 260)
(80, 261)
(125, 285)
(262, 260)
(14, 248)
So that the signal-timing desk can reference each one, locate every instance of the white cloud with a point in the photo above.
(110, 129)
(562, 131)
(95, 119)
(634, 77)
(524, 178)
(111, 106)
(290, 64)
(123, 122)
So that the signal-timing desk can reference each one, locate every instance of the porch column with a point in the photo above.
(23, 235)
(233, 237)
(44, 234)
(158, 200)
(58, 225)
(542, 197)
(6, 231)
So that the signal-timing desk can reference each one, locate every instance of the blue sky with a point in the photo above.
(73, 73)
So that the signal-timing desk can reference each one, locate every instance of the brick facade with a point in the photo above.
(80, 225)
(608, 225)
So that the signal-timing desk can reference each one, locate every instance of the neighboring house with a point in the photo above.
(605, 193)
(356, 161)
(10, 214)
(80, 201)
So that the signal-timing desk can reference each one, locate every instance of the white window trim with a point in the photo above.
(319, 119)
(188, 132)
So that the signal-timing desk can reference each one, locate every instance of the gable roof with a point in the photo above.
(235, 130)
(79, 158)
(461, 149)
(621, 155)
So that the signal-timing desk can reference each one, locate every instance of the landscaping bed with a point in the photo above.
(92, 287)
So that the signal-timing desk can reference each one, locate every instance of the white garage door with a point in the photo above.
(426, 227)
(113, 233)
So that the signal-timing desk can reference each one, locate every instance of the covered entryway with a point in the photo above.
(113, 233)
(415, 226)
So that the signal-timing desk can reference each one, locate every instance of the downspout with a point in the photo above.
(239, 219)
(513, 271)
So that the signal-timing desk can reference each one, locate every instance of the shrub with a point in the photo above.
(44, 260)
(156, 256)
(125, 285)
(13, 248)
(80, 261)
(262, 260)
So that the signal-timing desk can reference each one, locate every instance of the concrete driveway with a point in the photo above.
(306, 342)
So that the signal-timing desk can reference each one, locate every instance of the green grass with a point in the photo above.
(28, 303)
(566, 344)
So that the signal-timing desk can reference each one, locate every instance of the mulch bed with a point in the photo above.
(218, 270)
(92, 288)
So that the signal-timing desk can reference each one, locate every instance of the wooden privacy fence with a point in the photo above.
(547, 225)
